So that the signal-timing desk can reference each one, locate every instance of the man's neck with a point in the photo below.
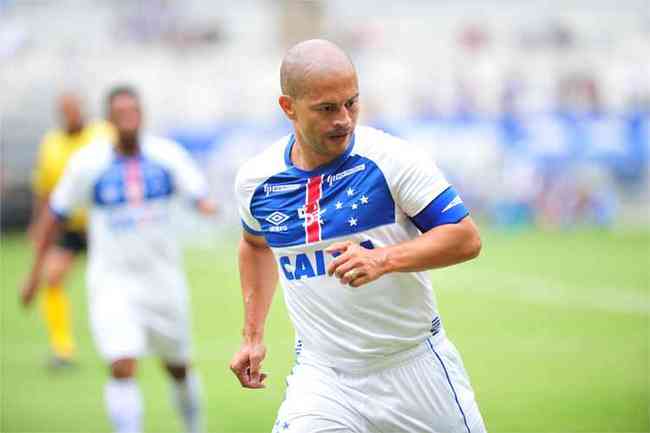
(128, 146)
(305, 158)
(74, 130)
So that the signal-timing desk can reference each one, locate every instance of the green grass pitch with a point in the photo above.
(553, 329)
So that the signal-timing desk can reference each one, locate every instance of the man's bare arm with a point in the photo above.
(258, 277)
(49, 229)
(441, 246)
(39, 208)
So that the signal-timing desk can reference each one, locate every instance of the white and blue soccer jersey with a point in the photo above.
(132, 244)
(381, 191)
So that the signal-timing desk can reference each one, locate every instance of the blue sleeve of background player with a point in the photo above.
(447, 208)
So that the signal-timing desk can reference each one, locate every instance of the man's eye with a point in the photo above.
(351, 103)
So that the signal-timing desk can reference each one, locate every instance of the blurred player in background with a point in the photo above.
(351, 218)
(137, 290)
(55, 150)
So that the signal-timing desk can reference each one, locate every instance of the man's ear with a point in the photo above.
(287, 104)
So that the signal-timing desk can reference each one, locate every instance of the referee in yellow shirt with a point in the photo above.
(55, 151)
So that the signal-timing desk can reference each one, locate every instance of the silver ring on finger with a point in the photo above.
(352, 274)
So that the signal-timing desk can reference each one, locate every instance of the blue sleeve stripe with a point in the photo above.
(447, 208)
(60, 216)
(250, 230)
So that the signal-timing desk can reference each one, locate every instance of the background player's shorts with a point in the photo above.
(123, 328)
(73, 241)
(430, 392)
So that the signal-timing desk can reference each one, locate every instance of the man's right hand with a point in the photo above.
(29, 289)
(246, 365)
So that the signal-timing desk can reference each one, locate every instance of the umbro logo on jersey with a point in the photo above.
(455, 202)
(277, 218)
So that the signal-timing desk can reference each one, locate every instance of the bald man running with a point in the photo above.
(351, 218)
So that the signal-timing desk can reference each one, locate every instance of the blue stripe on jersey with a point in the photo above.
(447, 208)
(110, 188)
(355, 198)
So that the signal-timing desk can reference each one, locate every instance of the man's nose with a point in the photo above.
(343, 120)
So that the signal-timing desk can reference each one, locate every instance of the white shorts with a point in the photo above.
(123, 328)
(429, 392)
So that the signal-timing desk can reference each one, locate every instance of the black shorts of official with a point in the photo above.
(72, 241)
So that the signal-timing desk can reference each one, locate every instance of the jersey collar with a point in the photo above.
(318, 170)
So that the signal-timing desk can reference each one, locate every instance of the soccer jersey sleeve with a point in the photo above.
(73, 190)
(43, 178)
(244, 190)
(187, 177)
(420, 188)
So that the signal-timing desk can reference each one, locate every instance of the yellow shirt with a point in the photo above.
(55, 150)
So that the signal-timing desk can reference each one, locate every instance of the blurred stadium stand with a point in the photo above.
(539, 117)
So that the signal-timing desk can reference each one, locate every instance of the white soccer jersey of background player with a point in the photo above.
(368, 195)
(132, 245)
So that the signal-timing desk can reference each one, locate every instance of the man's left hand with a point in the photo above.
(356, 265)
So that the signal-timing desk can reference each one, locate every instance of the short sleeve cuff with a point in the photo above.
(447, 208)
(251, 230)
(58, 214)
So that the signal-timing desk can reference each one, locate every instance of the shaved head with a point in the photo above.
(311, 59)
(68, 98)
(320, 96)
